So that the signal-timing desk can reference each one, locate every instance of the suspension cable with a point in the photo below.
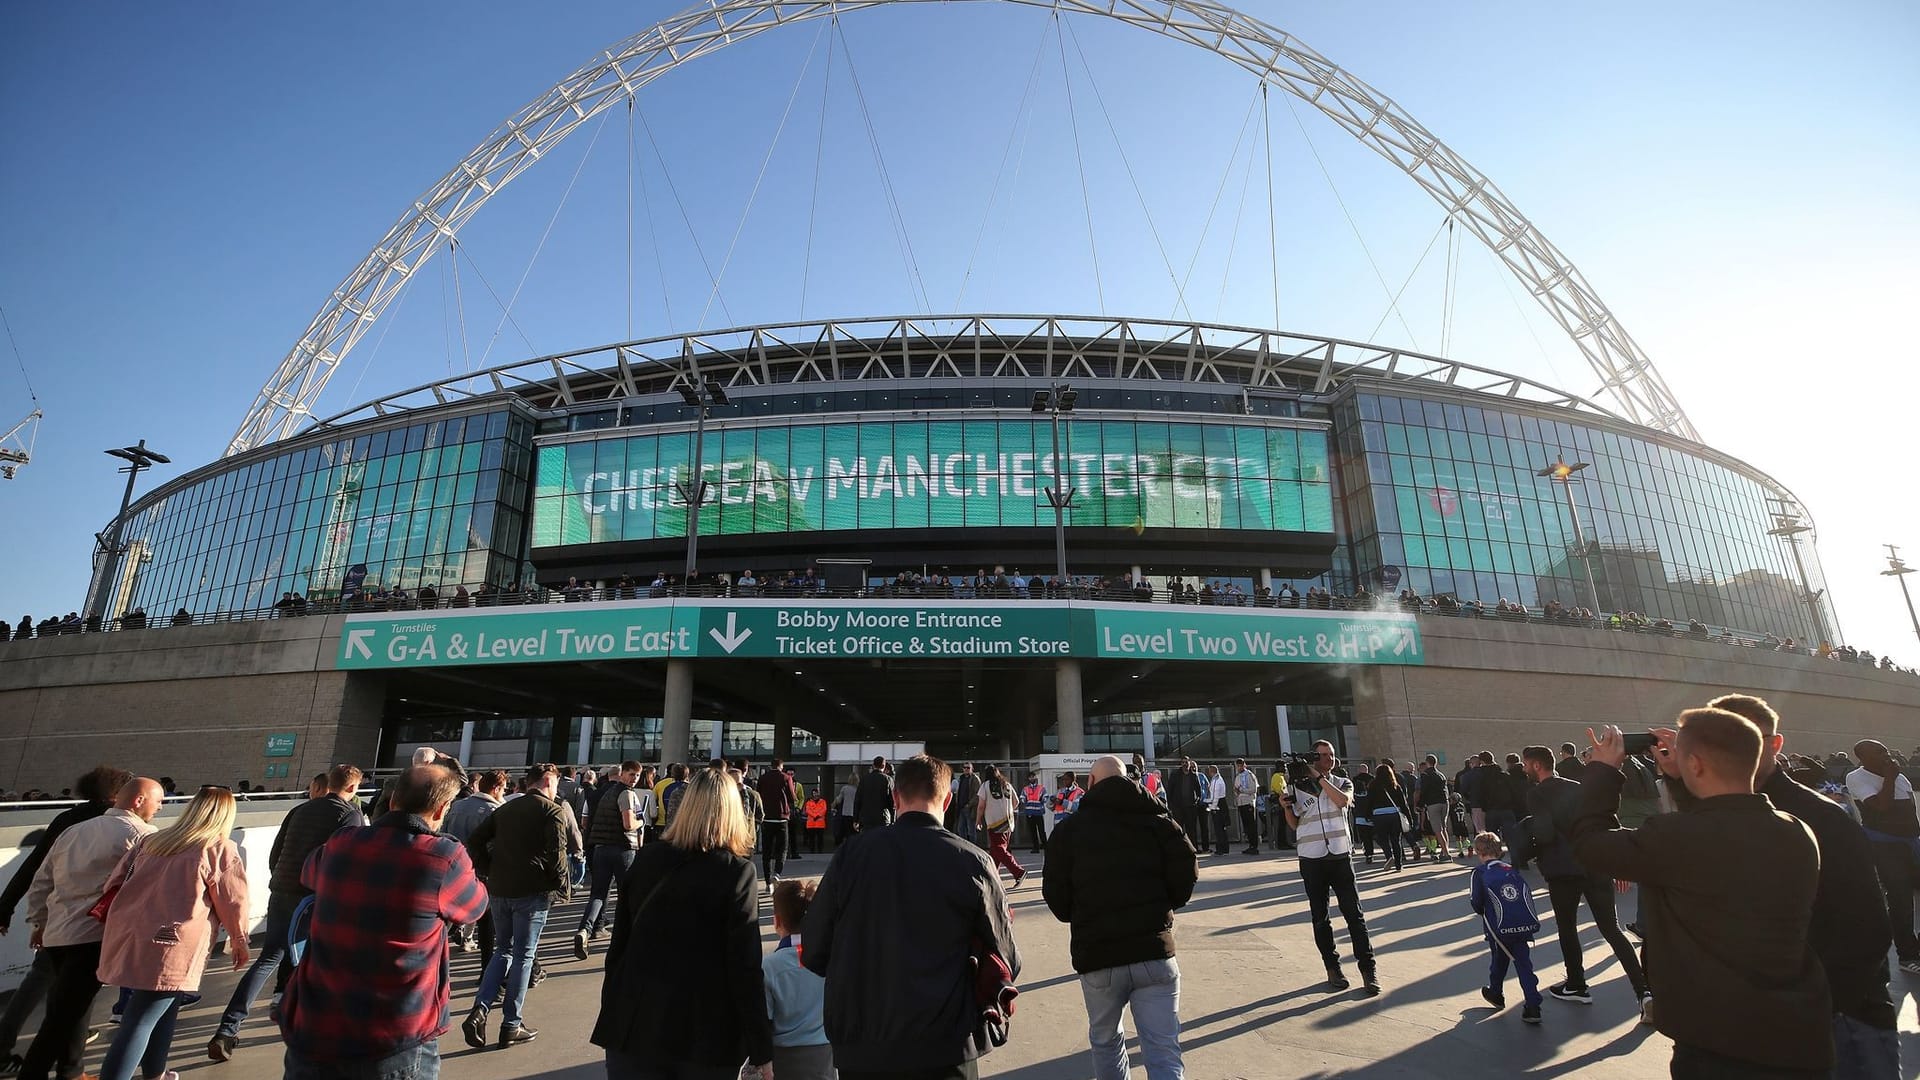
(491, 291)
(753, 195)
(1180, 292)
(1086, 200)
(1019, 113)
(685, 218)
(541, 246)
(653, 231)
(886, 178)
(1225, 174)
(1385, 289)
(1417, 263)
(819, 156)
(1273, 243)
(1233, 234)
(19, 357)
(629, 217)
(466, 350)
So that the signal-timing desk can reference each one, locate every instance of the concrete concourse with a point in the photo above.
(1251, 1007)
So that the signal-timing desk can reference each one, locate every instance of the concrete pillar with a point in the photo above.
(583, 750)
(557, 749)
(1068, 708)
(1266, 578)
(782, 729)
(466, 744)
(1146, 738)
(717, 740)
(676, 726)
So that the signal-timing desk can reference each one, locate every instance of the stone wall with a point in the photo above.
(1491, 685)
(195, 703)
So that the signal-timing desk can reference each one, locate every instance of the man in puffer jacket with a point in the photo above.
(1116, 871)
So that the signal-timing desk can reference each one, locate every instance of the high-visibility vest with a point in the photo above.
(816, 813)
(1066, 802)
(1033, 800)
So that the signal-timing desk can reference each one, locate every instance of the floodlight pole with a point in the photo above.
(138, 459)
(1060, 398)
(1562, 473)
(1898, 569)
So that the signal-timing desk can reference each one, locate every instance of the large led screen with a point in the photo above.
(811, 477)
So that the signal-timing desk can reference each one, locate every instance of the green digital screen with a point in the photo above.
(907, 474)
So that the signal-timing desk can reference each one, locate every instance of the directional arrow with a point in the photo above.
(357, 642)
(732, 639)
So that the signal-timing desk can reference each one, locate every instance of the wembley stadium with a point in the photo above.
(1178, 537)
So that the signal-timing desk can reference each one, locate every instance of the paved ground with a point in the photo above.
(1252, 1004)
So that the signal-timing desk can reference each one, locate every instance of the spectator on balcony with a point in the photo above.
(134, 620)
(1287, 596)
(183, 617)
(1409, 599)
(747, 584)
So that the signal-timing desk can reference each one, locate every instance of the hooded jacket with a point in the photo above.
(1116, 872)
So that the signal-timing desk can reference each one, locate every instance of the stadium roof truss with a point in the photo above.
(964, 348)
(1627, 376)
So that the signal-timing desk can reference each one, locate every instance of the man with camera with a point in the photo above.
(1316, 808)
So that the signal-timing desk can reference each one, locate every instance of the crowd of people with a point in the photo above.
(1769, 889)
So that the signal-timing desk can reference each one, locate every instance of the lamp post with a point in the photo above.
(1897, 568)
(1562, 473)
(703, 396)
(138, 459)
(1788, 527)
(1060, 398)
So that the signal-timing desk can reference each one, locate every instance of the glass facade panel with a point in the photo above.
(1669, 534)
(411, 508)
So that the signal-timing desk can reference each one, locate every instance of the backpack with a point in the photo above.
(1507, 902)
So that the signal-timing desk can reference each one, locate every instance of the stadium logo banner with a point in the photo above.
(881, 629)
(809, 477)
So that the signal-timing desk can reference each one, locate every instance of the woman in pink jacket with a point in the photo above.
(174, 886)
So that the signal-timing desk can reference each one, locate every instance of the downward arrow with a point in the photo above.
(357, 641)
(733, 637)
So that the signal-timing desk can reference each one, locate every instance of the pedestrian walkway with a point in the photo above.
(1252, 1005)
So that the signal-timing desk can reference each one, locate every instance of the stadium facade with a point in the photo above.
(1216, 454)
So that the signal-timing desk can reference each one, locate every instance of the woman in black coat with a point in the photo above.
(1384, 804)
(683, 997)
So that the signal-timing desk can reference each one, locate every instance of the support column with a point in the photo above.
(466, 745)
(1067, 707)
(1146, 739)
(676, 725)
(583, 750)
(556, 749)
(1266, 579)
(717, 740)
(782, 729)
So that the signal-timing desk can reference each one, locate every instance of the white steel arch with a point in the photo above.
(1627, 376)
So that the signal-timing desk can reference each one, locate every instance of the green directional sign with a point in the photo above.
(1254, 634)
(280, 744)
(887, 629)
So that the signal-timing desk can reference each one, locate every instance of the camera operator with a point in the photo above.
(1316, 807)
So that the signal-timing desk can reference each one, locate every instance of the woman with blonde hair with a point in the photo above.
(173, 887)
(678, 901)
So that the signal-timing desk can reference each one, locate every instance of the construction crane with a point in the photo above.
(16, 446)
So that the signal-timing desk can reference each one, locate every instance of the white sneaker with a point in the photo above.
(1646, 1008)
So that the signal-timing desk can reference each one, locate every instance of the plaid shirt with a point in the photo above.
(374, 979)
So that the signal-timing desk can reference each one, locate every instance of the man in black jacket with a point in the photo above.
(1501, 796)
(1728, 889)
(1850, 932)
(1184, 799)
(1116, 871)
(520, 851)
(873, 800)
(98, 788)
(1552, 805)
(302, 831)
(899, 919)
(1433, 804)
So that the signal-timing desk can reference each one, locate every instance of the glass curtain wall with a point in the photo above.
(1446, 493)
(438, 503)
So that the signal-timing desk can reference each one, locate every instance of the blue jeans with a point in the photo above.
(610, 861)
(414, 1063)
(273, 952)
(517, 923)
(146, 1030)
(1152, 990)
(1864, 1052)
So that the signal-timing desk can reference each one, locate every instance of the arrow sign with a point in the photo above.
(357, 642)
(733, 638)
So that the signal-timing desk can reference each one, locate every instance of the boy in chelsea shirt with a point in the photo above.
(1504, 902)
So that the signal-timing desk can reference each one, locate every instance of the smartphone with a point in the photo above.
(1638, 742)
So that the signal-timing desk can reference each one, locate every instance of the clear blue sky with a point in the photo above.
(185, 185)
